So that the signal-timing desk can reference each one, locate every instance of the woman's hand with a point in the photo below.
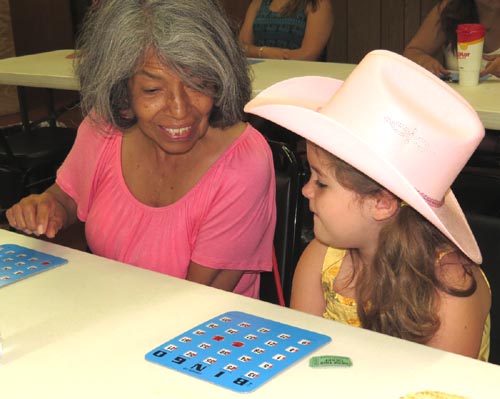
(433, 65)
(428, 41)
(426, 61)
(45, 213)
(493, 66)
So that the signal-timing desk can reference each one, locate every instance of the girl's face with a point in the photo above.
(169, 112)
(341, 219)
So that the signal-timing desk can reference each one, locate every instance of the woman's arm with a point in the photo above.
(307, 292)
(223, 279)
(428, 40)
(246, 31)
(318, 30)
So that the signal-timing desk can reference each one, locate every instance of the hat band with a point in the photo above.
(434, 203)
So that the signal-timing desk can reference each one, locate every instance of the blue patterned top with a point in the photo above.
(271, 29)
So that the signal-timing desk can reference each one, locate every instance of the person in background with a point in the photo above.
(438, 33)
(287, 29)
(164, 173)
(392, 251)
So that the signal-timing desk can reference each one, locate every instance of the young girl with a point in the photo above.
(392, 251)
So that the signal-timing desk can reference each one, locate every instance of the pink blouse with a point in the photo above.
(226, 221)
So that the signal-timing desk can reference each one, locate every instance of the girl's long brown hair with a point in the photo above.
(396, 295)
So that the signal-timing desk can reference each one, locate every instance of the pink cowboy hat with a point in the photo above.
(394, 121)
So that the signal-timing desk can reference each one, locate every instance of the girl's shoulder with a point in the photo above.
(333, 256)
(457, 272)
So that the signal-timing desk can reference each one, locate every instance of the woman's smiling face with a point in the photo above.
(169, 112)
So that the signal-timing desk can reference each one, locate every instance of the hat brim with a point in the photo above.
(294, 105)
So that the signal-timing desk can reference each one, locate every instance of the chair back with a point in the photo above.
(29, 159)
(477, 189)
(486, 229)
(289, 179)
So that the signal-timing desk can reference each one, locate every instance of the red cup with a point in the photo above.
(468, 33)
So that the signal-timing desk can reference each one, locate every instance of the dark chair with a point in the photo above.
(487, 155)
(487, 232)
(29, 160)
(275, 132)
(30, 153)
(290, 219)
(477, 188)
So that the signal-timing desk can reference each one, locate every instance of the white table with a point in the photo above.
(81, 330)
(484, 98)
(55, 70)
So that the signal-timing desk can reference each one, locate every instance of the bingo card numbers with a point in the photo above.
(17, 263)
(237, 350)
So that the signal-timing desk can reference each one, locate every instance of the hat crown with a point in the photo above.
(417, 123)
(394, 121)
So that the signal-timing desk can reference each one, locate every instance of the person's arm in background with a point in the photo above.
(428, 40)
(318, 30)
(493, 66)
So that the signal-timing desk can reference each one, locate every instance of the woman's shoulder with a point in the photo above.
(255, 5)
(247, 160)
(250, 148)
(92, 127)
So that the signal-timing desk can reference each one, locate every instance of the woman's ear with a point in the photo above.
(127, 113)
(385, 205)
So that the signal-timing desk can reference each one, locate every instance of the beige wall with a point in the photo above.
(360, 26)
(365, 25)
(8, 95)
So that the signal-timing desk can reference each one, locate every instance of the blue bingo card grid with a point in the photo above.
(237, 350)
(17, 263)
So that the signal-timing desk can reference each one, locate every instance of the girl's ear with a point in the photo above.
(385, 205)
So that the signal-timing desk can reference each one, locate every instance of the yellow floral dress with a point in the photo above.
(344, 309)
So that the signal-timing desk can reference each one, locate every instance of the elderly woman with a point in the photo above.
(164, 173)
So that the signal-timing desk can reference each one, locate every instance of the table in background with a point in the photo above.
(51, 70)
(484, 98)
(55, 70)
(81, 330)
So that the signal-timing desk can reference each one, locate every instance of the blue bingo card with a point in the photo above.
(237, 350)
(18, 262)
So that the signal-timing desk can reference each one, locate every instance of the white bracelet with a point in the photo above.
(260, 51)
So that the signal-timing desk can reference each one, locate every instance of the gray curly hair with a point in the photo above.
(193, 37)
